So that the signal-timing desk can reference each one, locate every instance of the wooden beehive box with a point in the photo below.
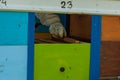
(110, 53)
(80, 27)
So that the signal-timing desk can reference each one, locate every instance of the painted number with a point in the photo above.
(66, 4)
(3, 2)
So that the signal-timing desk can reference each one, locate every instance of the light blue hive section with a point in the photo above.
(13, 28)
(13, 62)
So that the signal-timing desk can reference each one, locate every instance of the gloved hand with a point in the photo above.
(47, 19)
(57, 30)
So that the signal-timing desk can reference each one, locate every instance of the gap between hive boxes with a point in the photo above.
(46, 38)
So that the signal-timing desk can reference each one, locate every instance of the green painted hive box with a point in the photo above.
(62, 61)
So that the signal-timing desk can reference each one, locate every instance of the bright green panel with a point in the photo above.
(49, 58)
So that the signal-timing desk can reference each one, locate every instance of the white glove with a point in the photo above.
(47, 19)
(57, 30)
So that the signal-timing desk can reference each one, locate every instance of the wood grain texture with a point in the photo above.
(110, 58)
(110, 46)
(80, 26)
(43, 35)
(110, 28)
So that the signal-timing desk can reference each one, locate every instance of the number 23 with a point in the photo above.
(66, 4)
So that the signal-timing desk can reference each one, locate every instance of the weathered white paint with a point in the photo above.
(108, 7)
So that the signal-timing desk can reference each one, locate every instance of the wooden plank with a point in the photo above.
(110, 59)
(110, 28)
(108, 7)
(66, 40)
(80, 27)
(42, 35)
(45, 41)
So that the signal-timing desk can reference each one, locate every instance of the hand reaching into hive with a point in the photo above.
(56, 28)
